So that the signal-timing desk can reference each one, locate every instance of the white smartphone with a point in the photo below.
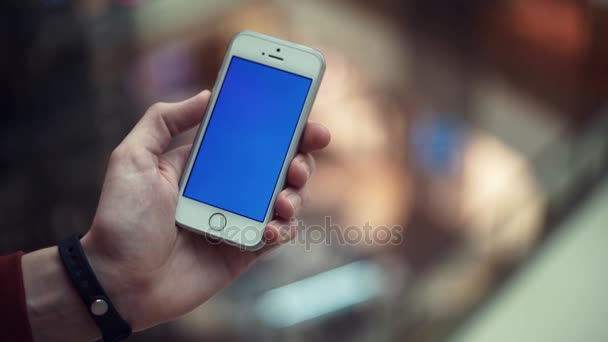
(249, 135)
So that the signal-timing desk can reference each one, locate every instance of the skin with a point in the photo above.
(153, 271)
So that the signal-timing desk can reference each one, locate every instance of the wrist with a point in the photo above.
(55, 311)
(123, 290)
(111, 278)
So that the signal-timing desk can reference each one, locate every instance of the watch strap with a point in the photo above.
(112, 326)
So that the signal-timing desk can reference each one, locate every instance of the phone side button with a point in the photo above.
(217, 221)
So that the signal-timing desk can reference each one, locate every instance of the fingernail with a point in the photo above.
(295, 200)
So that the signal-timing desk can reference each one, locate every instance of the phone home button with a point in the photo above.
(217, 221)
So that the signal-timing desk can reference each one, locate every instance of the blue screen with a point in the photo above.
(247, 139)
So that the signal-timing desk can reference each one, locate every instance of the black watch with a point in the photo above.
(112, 326)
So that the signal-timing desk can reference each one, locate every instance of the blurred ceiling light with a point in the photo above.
(349, 107)
(320, 294)
(502, 204)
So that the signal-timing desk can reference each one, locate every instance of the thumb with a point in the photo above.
(164, 121)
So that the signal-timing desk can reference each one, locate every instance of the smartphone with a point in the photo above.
(249, 135)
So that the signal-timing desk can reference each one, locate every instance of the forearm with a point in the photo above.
(55, 311)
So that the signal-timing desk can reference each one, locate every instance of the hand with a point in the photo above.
(153, 271)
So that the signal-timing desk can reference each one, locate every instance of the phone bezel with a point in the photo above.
(242, 231)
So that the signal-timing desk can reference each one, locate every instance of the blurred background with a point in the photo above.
(471, 134)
